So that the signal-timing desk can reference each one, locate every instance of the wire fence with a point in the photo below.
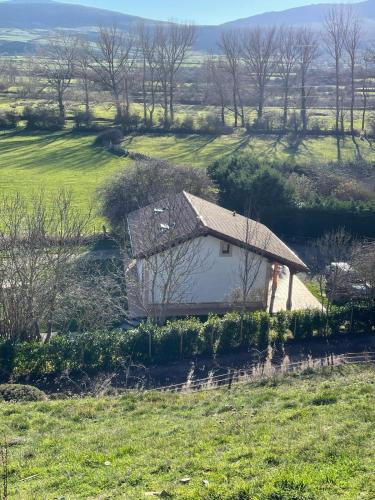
(266, 370)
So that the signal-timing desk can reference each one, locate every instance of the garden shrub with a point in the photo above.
(111, 136)
(186, 338)
(43, 118)
(8, 120)
(17, 393)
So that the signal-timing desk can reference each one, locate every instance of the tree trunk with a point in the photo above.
(303, 104)
(337, 70)
(61, 106)
(352, 103)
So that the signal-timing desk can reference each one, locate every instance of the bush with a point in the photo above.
(93, 352)
(20, 393)
(149, 181)
(212, 124)
(242, 178)
(129, 122)
(83, 120)
(109, 137)
(8, 120)
(42, 118)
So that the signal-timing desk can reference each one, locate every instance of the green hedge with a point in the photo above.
(181, 339)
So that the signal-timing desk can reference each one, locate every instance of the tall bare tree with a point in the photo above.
(58, 64)
(37, 241)
(217, 82)
(231, 46)
(150, 73)
(163, 278)
(84, 71)
(289, 52)
(259, 53)
(308, 50)
(111, 59)
(352, 44)
(174, 42)
(335, 35)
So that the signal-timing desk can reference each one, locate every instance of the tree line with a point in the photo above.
(294, 68)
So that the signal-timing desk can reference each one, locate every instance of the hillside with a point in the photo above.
(307, 15)
(307, 438)
(49, 14)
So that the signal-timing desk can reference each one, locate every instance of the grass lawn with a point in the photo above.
(201, 150)
(307, 437)
(63, 159)
(53, 160)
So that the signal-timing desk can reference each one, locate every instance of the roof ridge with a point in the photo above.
(200, 217)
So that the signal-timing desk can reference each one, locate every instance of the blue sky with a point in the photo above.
(200, 11)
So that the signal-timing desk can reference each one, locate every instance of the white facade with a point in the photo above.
(207, 277)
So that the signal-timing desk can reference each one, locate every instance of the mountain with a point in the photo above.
(307, 15)
(46, 15)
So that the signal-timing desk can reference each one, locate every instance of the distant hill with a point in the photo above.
(307, 15)
(49, 15)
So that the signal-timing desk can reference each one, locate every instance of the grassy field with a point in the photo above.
(303, 438)
(63, 159)
(53, 160)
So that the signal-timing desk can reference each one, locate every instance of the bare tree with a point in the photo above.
(231, 46)
(259, 53)
(217, 82)
(330, 259)
(289, 51)
(174, 42)
(363, 268)
(111, 60)
(308, 52)
(352, 43)
(37, 241)
(57, 64)
(94, 295)
(164, 276)
(84, 71)
(335, 35)
(148, 42)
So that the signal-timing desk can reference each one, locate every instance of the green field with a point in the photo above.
(29, 162)
(63, 159)
(305, 438)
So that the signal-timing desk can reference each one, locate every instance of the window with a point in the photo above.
(225, 249)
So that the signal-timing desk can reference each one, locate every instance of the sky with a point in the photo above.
(199, 11)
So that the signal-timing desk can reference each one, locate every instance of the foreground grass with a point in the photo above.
(309, 437)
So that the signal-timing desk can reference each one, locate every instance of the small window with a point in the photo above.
(225, 249)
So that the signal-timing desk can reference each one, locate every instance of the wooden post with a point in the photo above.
(275, 278)
(289, 303)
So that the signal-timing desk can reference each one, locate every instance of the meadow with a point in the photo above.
(300, 437)
(29, 161)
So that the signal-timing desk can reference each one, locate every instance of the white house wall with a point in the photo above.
(218, 276)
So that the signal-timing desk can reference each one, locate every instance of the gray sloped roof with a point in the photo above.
(185, 216)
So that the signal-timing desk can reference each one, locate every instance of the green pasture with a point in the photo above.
(30, 161)
(308, 437)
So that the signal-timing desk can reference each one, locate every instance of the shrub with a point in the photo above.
(109, 137)
(20, 393)
(8, 120)
(128, 122)
(83, 120)
(42, 118)
(107, 351)
(212, 124)
(186, 126)
(149, 181)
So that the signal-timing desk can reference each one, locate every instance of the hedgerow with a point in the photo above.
(179, 339)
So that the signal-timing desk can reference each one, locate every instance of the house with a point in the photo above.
(193, 257)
